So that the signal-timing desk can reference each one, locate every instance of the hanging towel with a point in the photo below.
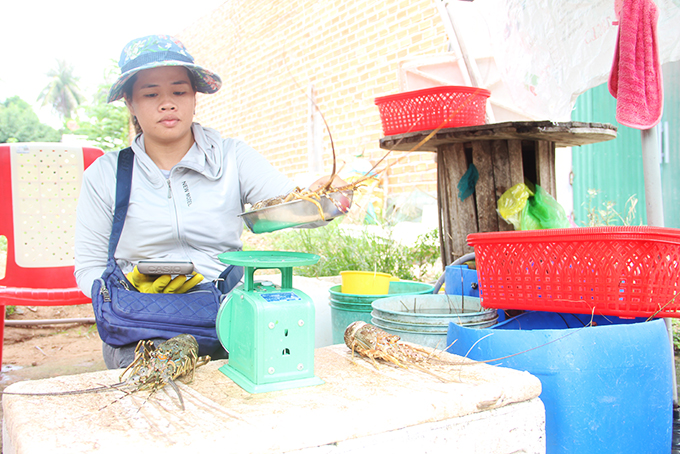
(635, 79)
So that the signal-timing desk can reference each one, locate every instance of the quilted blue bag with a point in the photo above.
(125, 316)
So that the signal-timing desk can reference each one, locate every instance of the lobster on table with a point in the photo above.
(152, 369)
(373, 343)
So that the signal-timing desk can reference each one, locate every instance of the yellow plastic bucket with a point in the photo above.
(365, 282)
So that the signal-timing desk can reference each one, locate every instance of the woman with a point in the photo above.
(188, 183)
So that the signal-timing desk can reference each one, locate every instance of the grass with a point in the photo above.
(676, 334)
(358, 248)
(607, 214)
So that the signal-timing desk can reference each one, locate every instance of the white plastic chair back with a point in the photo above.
(46, 179)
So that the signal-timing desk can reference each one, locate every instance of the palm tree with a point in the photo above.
(62, 92)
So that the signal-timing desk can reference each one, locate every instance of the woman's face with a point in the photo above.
(163, 101)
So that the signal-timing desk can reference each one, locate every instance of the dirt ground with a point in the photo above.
(34, 352)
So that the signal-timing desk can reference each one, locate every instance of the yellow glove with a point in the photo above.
(164, 283)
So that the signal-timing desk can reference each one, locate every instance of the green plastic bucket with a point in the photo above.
(342, 318)
(347, 308)
(397, 288)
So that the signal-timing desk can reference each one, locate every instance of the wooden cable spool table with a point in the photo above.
(504, 154)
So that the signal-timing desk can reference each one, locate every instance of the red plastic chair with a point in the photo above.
(39, 188)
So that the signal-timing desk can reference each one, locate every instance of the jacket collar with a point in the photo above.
(204, 156)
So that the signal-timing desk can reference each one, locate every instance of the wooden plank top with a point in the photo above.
(356, 400)
(563, 134)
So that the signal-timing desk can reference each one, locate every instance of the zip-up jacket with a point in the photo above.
(190, 215)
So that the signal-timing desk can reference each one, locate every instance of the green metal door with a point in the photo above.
(612, 171)
(670, 165)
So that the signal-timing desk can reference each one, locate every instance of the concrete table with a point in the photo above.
(359, 408)
(504, 154)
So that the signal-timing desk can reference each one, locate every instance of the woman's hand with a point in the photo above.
(164, 283)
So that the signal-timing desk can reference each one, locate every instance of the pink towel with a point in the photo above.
(635, 79)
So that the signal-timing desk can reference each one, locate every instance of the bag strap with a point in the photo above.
(126, 159)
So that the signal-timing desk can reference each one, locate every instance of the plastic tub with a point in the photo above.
(606, 388)
(342, 317)
(395, 288)
(365, 282)
(425, 328)
(347, 308)
(424, 319)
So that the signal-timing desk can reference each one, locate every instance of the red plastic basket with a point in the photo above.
(432, 108)
(621, 271)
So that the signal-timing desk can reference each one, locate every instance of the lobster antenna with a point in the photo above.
(323, 118)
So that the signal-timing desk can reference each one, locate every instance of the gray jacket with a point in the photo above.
(191, 215)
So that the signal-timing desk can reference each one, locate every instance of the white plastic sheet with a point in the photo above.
(550, 51)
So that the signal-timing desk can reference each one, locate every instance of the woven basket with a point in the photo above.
(432, 108)
(621, 271)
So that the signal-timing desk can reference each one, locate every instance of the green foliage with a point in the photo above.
(62, 92)
(607, 215)
(361, 249)
(106, 125)
(676, 334)
(18, 123)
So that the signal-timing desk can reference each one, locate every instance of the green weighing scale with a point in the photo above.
(267, 329)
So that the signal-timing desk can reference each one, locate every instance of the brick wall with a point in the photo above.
(269, 51)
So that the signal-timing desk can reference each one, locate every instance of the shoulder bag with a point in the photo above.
(125, 316)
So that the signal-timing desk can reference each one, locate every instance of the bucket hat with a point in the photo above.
(160, 50)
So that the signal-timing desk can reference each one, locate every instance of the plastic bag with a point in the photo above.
(543, 212)
(547, 53)
(512, 202)
(531, 210)
(468, 182)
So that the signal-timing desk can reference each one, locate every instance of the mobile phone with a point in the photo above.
(157, 267)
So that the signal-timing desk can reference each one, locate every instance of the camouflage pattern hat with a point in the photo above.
(160, 50)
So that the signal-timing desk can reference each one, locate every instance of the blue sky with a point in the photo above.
(87, 34)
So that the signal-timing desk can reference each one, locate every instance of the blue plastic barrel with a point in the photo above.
(461, 280)
(606, 388)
